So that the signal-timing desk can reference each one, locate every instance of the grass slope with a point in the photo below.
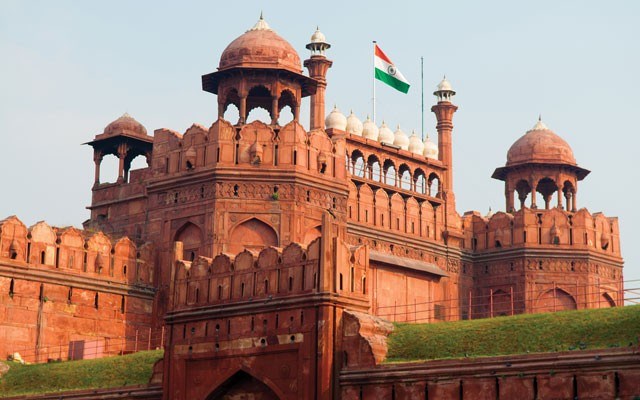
(132, 369)
(561, 331)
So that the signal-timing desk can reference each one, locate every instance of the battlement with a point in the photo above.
(73, 251)
(542, 227)
(255, 144)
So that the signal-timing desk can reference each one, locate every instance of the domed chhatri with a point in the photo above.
(369, 129)
(401, 139)
(385, 135)
(260, 47)
(318, 44)
(540, 145)
(336, 120)
(354, 125)
(125, 124)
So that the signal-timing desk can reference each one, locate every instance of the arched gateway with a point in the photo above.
(243, 386)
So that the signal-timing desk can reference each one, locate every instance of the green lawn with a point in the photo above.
(132, 369)
(561, 331)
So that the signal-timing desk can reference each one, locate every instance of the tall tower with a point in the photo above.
(444, 113)
(318, 65)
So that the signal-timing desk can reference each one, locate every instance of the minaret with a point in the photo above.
(444, 113)
(318, 65)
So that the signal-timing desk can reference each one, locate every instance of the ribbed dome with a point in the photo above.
(125, 124)
(540, 145)
(260, 47)
(336, 120)
(385, 135)
(430, 149)
(401, 139)
(415, 144)
(370, 129)
(354, 125)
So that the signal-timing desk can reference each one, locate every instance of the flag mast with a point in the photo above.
(422, 94)
(373, 76)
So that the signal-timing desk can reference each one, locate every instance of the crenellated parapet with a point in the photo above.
(77, 252)
(541, 228)
(254, 145)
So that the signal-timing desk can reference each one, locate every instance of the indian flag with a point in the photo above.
(387, 72)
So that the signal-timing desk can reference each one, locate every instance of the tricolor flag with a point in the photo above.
(387, 72)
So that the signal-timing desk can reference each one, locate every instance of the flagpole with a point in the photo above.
(422, 93)
(373, 99)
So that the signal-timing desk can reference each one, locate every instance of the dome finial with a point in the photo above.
(261, 25)
(539, 126)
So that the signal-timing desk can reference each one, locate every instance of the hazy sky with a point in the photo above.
(69, 68)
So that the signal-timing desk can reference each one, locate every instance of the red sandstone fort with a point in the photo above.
(261, 254)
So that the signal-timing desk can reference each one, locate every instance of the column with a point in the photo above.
(533, 198)
(97, 159)
(274, 110)
(122, 153)
(559, 198)
(243, 110)
(573, 202)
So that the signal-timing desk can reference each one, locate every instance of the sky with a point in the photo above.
(69, 68)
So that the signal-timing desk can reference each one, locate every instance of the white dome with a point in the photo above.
(401, 139)
(430, 149)
(318, 37)
(370, 129)
(415, 144)
(385, 135)
(336, 120)
(354, 125)
(444, 85)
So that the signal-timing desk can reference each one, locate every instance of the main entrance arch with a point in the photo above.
(243, 386)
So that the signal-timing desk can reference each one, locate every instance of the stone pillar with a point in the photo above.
(220, 108)
(318, 65)
(274, 110)
(122, 153)
(508, 192)
(573, 202)
(243, 110)
(533, 198)
(97, 159)
(559, 198)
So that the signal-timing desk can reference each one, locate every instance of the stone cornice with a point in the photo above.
(18, 270)
(265, 305)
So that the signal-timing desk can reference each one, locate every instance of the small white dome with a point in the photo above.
(318, 37)
(336, 120)
(430, 149)
(385, 135)
(444, 85)
(401, 139)
(415, 144)
(370, 129)
(354, 125)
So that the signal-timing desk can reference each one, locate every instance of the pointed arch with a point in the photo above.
(191, 237)
(244, 383)
(555, 300)
(252, 234)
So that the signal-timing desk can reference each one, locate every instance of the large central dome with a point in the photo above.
(540, 145)
(260, 47)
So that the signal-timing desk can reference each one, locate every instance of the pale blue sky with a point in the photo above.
(69, 68)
